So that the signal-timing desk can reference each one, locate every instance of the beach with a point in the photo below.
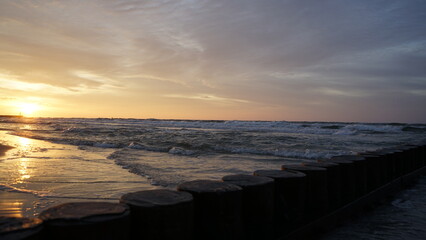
(54, 161)
(12, 203)
(276, 119)
(37, 174)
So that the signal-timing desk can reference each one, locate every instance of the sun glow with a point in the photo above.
(28, 108)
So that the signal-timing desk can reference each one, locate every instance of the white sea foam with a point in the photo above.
(9, 188)
(308, 154)
(181, 151)
(288, 153)
(135, 146)
(374, 128)
(345, 132)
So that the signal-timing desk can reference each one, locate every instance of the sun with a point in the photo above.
(28, 108)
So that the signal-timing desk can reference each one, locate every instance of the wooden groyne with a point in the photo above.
(297, 202)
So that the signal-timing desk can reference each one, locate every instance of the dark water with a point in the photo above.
(402, 217)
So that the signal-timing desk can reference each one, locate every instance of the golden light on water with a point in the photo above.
(10, 207)
(23, 166)
(23, 170)
(18, 199)
(25, 143)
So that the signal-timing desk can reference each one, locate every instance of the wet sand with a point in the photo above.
(13, 204)
(4, 149)
(35, 175)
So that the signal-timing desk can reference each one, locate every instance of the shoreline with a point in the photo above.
(37, 174)
(18, 204)
(13, 203)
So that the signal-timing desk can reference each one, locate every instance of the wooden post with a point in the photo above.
(86, 221)
(217, 209)
(160, 214)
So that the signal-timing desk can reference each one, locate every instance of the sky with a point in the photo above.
(293, 60)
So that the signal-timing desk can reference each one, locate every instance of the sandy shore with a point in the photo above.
(13, 204)
(35, 175)
(16, 204)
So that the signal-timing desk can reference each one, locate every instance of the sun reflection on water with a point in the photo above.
(27, 127)
(10, 207)
(18, 169)
(23, 170)
(25, 143)
(23, 166)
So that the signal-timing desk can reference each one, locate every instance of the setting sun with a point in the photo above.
(28, 108)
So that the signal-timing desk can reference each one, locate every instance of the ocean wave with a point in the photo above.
(374, 128)
(8, 188)
(194, 138)
(308, 154)
(157, 176)
(134, 145)
(346, 132)
(332, 127)
(94, 125)
(105, 145)
(419, 129)
(181, 151)
(297, 154)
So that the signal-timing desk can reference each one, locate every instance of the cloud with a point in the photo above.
(283, 53)
(208, 97)
(337, 92)
(10, 82)
(7, 98)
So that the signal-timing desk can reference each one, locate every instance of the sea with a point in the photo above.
(56, 160)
